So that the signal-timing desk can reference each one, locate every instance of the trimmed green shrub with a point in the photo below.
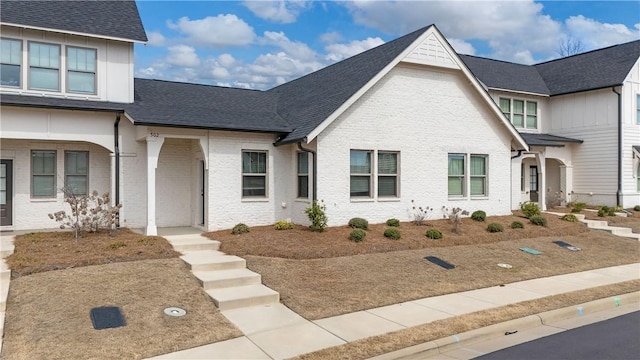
(637, 208)
(538, 220)
(392, 233)
(393, 222)
(434, 234)
(359, 223)
(495, 227)
(357, 235)
(116, 245)
(606, 211)
(147, 240)
(530, 209)
(517, 225)
(577, 207)
(569, 218)
(283, 225)
(479, 215)
(317, 216)
(240, 229)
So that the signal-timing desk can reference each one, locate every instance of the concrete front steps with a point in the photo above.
(224, 278)
(603, 225)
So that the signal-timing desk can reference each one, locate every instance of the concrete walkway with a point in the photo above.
(276, 332)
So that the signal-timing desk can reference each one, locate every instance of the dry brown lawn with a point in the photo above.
(325, 274)
(44, 251)
(48, 313)
(378, 345)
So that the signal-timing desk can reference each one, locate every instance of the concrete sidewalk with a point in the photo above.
(276, 332)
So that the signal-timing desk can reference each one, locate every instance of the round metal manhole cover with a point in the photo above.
(174, 311)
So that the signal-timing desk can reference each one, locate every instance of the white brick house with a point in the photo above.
(404, 121)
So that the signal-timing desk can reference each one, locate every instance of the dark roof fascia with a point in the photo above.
(63, 107)
(535, 139)
(636, 148)
(290, 141)
(175, 126)
(585, 90)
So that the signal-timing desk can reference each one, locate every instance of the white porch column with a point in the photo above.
(566, 181)
(542, 186)
(154, 144)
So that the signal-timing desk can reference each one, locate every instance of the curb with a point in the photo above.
(452, 342)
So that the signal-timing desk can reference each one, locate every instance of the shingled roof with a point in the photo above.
(307, 101)
(498, 74)
(115, 19)
(592, 70)
(167, 103)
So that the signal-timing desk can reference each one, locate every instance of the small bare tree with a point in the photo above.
(455, 216)
(570, 46)
(89, 213)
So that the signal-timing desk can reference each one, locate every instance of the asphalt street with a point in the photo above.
(617, 338)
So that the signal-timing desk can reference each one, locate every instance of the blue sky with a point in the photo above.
(260, 44)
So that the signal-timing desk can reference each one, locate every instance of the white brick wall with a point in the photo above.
(424, 115)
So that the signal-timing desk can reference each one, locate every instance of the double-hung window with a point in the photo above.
(10, 62)
(76, 171)
(303, 175)
(43, 173)
(478, 175)
(44, 66)
(456, 175)
(360, 173)
(387, 174)
(254, 173)
(522, 113)
(81, 70)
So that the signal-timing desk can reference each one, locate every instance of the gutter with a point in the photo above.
(619, 191)
(116, 149)
(315, 172)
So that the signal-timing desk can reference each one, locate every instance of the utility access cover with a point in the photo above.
(106, 317)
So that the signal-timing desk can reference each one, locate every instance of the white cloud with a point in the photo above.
(294, 49)
(509, 27)
(461, 46)
(330, 37)
(284, 12)
(150, 72)
(595, 34)
(155, 38)
(337, 52)
(183, 56)
(218, 31)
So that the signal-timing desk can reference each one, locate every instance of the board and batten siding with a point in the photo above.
(424, 113)
(630, 137)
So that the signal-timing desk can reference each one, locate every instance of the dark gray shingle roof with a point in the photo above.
(505, 75)
(592, 70)
(548, 140)
(306, 102)
(118, 19)
(167, 103)
(59, 103)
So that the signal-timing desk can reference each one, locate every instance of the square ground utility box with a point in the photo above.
(106, 317)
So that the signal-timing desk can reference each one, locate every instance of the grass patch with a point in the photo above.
(48, 313)
(318, 288)
(45, 251)
(378, 345)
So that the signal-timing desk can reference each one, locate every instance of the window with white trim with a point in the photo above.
(81, 70)
(478, 175)
(43, 173)
(522, 113)
(44, 66)
(388, 174)
(456, 167)
(10, 62)
(76, 171)
(254, 173)
(360, 165)
(303, 174)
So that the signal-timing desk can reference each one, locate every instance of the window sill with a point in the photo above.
(460, 198)
(248, 200)
(303, 200)
(361, 200)
(43, 200)
(389, 199)
(483, 197)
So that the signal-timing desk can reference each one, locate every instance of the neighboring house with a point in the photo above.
(581, 117)
(404, 121)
